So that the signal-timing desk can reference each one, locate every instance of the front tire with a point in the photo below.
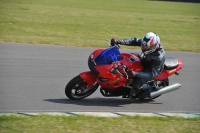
(77, 89)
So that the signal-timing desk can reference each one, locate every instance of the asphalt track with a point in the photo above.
(33, 79)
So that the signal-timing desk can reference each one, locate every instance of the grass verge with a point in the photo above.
(90, 23)
(88, 124)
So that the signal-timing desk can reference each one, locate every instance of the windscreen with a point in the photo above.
(107, 56)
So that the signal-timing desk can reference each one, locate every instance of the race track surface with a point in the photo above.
(33, 79)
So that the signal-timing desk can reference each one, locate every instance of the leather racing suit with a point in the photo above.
(153, 63)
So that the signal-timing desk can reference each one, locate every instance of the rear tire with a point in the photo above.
(163, 83)
(77, 89)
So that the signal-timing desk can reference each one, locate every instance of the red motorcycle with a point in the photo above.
(114, 82)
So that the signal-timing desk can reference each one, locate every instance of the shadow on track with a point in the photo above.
(111, 102)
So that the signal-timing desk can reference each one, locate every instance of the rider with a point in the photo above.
(152, 58)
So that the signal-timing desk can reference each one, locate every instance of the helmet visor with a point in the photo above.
(145, 48)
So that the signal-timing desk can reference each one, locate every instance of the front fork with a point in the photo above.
(89, 78)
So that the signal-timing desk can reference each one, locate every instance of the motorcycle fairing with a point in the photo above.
(111, 81)
(102, 60)
(88, 77)
(132, 62)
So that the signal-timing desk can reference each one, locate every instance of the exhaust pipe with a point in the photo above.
(165, 90)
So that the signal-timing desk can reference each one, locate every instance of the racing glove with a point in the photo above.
(114, 42)
(131, 74)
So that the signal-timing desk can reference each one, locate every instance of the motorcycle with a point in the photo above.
(114, 82)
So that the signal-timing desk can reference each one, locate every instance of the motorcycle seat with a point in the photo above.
(170, 63)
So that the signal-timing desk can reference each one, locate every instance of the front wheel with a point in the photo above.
(77, 89)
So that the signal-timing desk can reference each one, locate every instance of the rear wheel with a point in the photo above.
(77, 89)
(161, 84)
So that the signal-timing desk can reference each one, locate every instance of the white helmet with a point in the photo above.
(150, 42)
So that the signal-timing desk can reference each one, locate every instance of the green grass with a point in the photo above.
(91, 22)
(86, 124)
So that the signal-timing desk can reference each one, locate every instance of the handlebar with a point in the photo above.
(118, 45)
(115, 70)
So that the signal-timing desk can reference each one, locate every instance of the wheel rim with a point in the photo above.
(79, 90)
(161, 85)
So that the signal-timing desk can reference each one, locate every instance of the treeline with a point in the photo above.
(194, 1)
